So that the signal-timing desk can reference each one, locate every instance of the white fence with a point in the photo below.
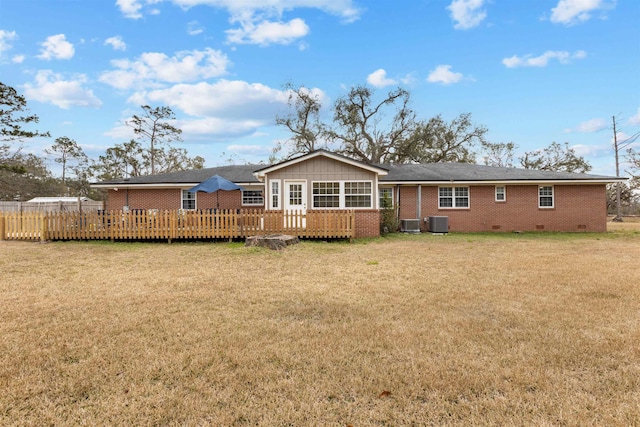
(50, 207)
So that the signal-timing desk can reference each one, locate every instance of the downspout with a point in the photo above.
(398, 203)
(419, 202)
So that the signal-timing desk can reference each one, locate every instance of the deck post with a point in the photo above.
(2, 227)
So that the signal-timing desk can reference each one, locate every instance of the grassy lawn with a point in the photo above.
(462, 329)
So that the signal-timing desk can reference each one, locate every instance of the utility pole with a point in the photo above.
(618, 217)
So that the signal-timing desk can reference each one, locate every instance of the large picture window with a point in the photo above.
(357, 194)
(326, 194)
(188, 200)
(545, 196)
(342, 194)
(453, 197)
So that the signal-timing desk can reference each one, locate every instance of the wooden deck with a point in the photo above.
(175, 224)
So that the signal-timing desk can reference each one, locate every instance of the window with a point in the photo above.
(252, 197)
(357, 194)
(501, 194)
(188, 200)
(295, 194)
(326, 194)
(453, 197)
(343, 195)
(385, 197)
(545, 197)
(275, 194)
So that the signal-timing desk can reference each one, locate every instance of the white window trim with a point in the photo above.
(251, 204)
(182, 199)
(342, 195)
(453, 196)
(279, 198)
(380, 200)
(504, 193)
(553, 197)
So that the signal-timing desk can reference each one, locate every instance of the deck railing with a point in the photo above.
(175, 224)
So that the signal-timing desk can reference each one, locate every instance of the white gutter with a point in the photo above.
(162, 185)
(510, 182)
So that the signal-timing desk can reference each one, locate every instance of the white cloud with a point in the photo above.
(194, 28)
(345, 9)
(52, 88)
(218, 110)
(152, 68)
(5, 38)
(116, 43)
(215, 127)
(56, 47)
(570, 12)
(467, 13)
(599, 150)
(265, 33)
(379, 79)
(225, 98)
(635, 120)
(443, 74)
(130, 8)
(593, 125)
(260, 22)
(563, 57)
(18, 59)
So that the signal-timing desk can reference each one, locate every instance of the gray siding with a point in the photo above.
(320, 169)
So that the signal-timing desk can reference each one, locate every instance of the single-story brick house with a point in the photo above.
(471, 197)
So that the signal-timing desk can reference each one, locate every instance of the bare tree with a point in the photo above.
(555, 157)
(303, 121)
(437, 141)
(153, 127)
(499, 154)
(364, 131)
(131, 159)
(66, 150)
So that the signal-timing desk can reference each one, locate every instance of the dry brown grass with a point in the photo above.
(463, 329)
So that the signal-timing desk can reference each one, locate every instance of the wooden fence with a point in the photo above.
(174, 224)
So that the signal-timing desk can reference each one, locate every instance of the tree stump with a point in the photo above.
(275, 242)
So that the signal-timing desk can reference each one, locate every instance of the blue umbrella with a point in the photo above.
(215, 184)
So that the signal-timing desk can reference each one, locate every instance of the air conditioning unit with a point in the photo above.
(439, 224)
(410, 225)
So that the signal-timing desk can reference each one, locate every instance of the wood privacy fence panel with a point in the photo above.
(174, 224)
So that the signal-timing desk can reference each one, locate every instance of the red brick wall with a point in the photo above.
(367, 223)
(408, 202)
(577, 208)
(172, 199)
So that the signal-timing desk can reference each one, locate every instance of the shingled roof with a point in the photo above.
(240, 174)
(467, 172)
(397, 174)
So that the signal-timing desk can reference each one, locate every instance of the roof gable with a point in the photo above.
(381, 171)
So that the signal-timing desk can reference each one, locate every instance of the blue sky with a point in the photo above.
(531, 71)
